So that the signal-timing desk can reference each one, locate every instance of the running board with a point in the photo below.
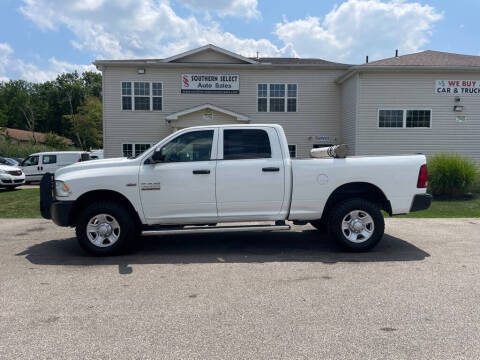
(215, 229)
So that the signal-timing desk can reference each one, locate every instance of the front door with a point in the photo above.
(182, 185)
(32, 168)
(251, 175)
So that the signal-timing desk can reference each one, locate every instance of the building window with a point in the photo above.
(127, 150)
(277, 97)
(142, 95)
(126, 95)
(133, 150)
(292, 97)
(404, 118)
(262, 97)
(157, 96)
(145, 96)
(418, 118)
(140, 148)
(390, 118)
(292, 149)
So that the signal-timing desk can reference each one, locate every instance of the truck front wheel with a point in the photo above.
(356, 224)
(105, 228)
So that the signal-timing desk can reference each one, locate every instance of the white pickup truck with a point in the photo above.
(201, 176)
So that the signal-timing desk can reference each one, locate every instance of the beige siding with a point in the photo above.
(209, 56)
(194, 118)
(318, 104)
(416, 91)
(349, 112)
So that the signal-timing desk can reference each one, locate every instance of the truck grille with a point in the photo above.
(15, 172)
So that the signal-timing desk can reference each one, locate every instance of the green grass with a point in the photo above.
(449, 209)
(24, 203)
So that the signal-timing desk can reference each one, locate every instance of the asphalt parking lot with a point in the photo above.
(289, 295)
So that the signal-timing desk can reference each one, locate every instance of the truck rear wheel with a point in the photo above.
(105, 228)
(356, 224)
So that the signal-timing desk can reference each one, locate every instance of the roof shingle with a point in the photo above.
(428, 58)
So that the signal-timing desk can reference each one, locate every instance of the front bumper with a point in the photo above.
(421, 202)
(11, 180)
(58, 211)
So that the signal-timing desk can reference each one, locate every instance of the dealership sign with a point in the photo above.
(210, 84)
(457, 87)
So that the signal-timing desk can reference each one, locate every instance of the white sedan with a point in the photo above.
(11, 176)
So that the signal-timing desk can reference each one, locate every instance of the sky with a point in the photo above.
(41, 38)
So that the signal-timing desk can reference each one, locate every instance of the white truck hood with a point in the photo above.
(93, 164)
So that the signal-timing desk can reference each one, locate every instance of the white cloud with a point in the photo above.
(235, 8)
(139, 28)
(5, 52)
(360, 27)
(122, 29)
(14, 68)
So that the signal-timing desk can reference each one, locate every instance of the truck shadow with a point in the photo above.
(305, 246)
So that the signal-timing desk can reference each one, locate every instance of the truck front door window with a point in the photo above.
(192, 146)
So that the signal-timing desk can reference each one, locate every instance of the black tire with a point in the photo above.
(10, 188)
(342, 210)
(320, 225)
(128, 232)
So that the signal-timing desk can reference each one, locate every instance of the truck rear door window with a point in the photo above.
(246, 144)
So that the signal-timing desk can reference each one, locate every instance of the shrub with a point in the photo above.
(54, 141)
(450, 174)
(24, 149)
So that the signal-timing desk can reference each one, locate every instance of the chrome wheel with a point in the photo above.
(103, 230)
(357, 226)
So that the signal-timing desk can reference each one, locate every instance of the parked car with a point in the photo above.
(11, 176)
(9, 161)
(231, 173)
(96, 154)
(36, 165)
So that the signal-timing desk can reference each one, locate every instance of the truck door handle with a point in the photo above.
(271, 169)
(199, 172)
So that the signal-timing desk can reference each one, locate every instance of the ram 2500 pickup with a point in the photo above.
(199, 177)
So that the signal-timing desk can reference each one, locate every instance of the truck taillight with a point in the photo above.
(422, 177)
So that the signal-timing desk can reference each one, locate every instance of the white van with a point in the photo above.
(36, 165)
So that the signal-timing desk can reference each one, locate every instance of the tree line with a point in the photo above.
(68, 106)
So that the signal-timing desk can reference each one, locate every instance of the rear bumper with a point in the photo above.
(421, 202)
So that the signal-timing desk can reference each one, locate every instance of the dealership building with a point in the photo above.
(425, 102)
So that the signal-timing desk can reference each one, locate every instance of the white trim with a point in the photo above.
(132, 95)
(404, 115)
(213, 48)
(268, 97)
(176, 115)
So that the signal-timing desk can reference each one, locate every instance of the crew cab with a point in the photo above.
(199, 177)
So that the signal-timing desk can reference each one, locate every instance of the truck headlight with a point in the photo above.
(61, 189)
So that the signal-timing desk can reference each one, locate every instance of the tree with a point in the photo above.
(72, 93)
(89, 123)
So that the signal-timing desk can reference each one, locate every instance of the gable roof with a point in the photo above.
(212, 48)
(242, 61)
(238, 116)
(297, 61)
(426, 60)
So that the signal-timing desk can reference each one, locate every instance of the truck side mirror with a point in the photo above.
(158, 156)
